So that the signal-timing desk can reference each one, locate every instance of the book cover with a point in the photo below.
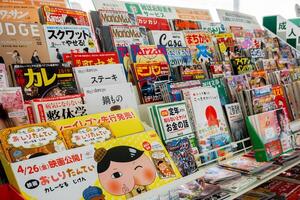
(262, 99)
(257, 79)
(167, 38)
(241, 65)
(99, 75)
(148, 54)
(124, 58)
(18, 13)
(113, 17)
(246, 164)
(106, 98)
(23, 43)
(143, 149)
(153, 23)
(181, 24)
(173, 120)
(178, 56)
(29, 141)
(217, 174)
(182, 153)
(44, 80)
(95, 58)
(226, 43)
(208, 117)
(124, 36)
(3, 76)
(12, 108)
(269, 64)
(67, 39)
(236, 121)
(220, 85)
(56, 108)
(236, 84)
(63, 16)
(201, 45)
(86, 135)
(148, 79)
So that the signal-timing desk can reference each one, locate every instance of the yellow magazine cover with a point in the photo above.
(131, 165)
(120, 122)
(86, 135)
(29, 141)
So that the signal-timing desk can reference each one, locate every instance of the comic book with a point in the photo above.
(44, 80)
(56, 108)
(262, 99)
(51, 15)
(242, 65)
(257, 79)
(29, 141)
(236, 84)
(226, 43)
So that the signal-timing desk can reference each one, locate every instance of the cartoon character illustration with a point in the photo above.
(203, 53)
(124, 170)
(93, 193)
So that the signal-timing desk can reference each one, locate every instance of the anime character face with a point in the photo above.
(121, 177)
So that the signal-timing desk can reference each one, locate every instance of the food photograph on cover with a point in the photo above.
(149, 100)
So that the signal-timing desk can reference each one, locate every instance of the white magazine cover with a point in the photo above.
(109, 98)
(167, 38)
(62, 39)
(99, 75)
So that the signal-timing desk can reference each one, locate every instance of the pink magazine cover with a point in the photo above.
(267, 126)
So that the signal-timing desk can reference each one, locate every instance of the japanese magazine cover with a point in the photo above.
(62, 39)
(106, 98)
(18, 13)
(220, 85)
(19, 47)
(182, 24)
(167, 38)
(153, 23)
(125, 59)
(236, 121)
(95, 58)
(124, 36)
(29, 141)
(193, 14)
(51, 15)
(209, 121)
(56, 108)
(113, 17)
(262, 99)
(236, 84)
(148, 54)
(148, 78)
(44, 80)
(242, 65)
(3, 76)
(99, 75)
(257, 79)
(12, 107)
(226, 43)
(178, 57)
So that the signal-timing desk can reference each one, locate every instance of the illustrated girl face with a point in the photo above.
(120, 178)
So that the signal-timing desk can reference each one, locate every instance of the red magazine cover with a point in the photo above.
(280, 100)
(149, 77)
(152, 23)
(98, 58)
(63, 16)
(282, 188)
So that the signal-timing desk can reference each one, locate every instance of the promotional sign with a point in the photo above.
(193, 14)
(233, 18)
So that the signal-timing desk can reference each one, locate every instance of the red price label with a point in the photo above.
(147, 146)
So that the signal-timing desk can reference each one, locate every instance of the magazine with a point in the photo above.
(167, 38)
